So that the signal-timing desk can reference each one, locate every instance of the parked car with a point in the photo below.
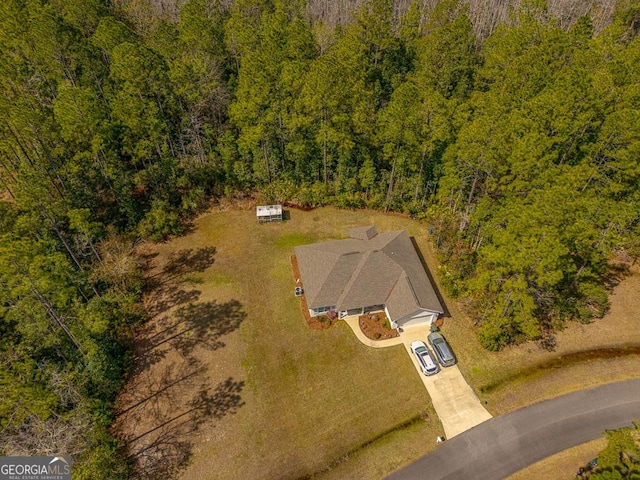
(425, 359)
(442, 349)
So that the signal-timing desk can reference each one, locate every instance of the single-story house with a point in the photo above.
(367, 272)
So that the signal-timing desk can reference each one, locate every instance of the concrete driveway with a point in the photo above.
(456, 404)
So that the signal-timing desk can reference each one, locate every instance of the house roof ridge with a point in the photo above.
(413, 291)
(403, 276)
(391, 290)
(326, 273)
(391, 239)
(356, 273)
(423, 299)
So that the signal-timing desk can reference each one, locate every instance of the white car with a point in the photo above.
(425, 359)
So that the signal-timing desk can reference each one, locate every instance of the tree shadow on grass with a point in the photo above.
(189, 327)
(166, 403)
(189, 260)
(180, 263)
(166, 449)
(166, 292)
(170, 392)
(202, 324)
(153, 333)
(145, 260)
(169, 296)
(149, 394)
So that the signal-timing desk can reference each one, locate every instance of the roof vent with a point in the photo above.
(363, 233)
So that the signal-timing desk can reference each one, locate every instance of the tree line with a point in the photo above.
(520, 148)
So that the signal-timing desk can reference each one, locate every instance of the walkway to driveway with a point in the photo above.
(352, 321)
(456, 404)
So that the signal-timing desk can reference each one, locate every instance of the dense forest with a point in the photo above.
(517, 137)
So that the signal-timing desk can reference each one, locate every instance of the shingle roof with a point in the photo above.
(368, 269)
(363, 233)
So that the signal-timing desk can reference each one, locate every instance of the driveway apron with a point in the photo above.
(456, 404)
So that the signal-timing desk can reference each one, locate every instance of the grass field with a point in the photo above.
(304, 401)
(239, 387)
(563, 465)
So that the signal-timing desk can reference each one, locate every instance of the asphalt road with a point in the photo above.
(503, 445)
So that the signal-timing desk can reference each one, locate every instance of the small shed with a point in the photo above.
(269, 213)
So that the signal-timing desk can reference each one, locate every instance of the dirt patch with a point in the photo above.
(6, 197)
(298, 206)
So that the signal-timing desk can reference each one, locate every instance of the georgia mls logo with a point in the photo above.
(35, 468)
(62, 463)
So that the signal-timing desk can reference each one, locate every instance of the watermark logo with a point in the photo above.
(35, 468)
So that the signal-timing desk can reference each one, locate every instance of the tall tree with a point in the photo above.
(269, 80)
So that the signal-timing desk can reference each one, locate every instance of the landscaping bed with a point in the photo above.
(376, 326)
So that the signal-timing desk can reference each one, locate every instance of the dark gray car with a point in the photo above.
(442, 349)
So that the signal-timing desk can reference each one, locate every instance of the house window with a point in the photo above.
(373, 308)
(321, 310)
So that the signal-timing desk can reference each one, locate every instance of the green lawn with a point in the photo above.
(318, 404)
